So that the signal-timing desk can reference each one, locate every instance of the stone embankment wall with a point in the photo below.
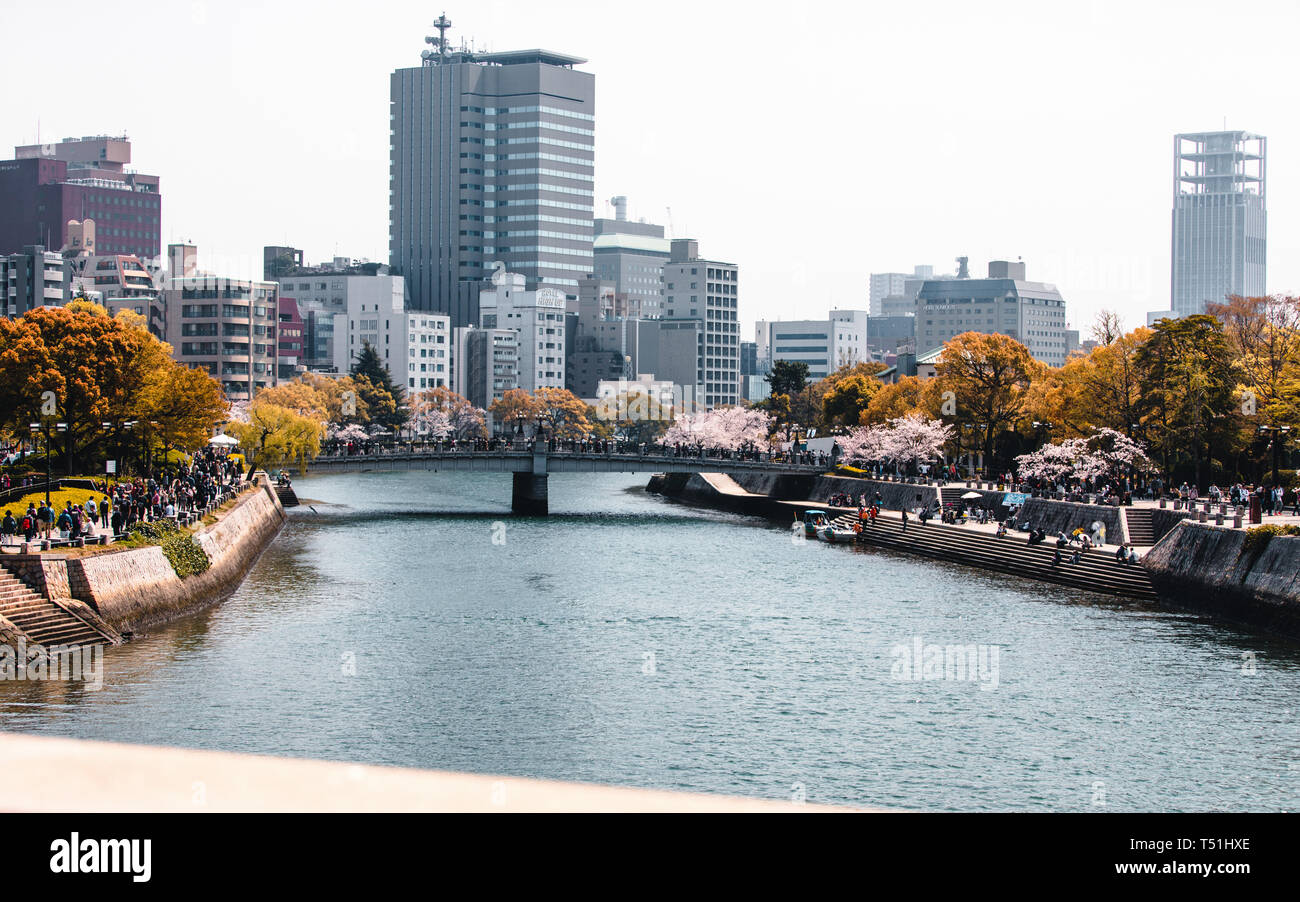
(1207, 569)
(1163, 520)
(137, 587)
(1064, 516)
(768, 489)
(778, 487)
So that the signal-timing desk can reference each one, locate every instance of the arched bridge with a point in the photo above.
(532, 465)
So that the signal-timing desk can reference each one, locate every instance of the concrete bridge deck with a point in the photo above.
(532, 466)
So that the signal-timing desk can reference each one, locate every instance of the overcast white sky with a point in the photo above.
(811, 143)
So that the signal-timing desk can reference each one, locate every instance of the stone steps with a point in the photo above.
(1141, 529)
(1097, 570)
(43, 621)
(951, 494)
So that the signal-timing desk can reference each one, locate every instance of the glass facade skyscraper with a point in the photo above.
(1219, 220)
(491, 160)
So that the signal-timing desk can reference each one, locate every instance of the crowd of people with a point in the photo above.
(178, 492)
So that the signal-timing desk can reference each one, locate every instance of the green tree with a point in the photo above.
(385, 401)
(1188, 382)
(787, 377)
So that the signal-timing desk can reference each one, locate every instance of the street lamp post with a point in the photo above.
(128, 425)
(44, 427)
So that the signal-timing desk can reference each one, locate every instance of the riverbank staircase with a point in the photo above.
(1096, 570)
(951, 494)
(46, 623)
(1141, 528)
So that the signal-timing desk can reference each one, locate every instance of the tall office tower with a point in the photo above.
(491, 160)
(706, 291)
(1220, 223)
(46, 185)
(884, 285)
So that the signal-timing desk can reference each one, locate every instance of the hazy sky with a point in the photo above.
(811, 143)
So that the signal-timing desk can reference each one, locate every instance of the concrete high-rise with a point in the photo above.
(631, 255)
(1005, 303)
(222, 325)
(491, 159)
(706, 291)
(537, 318)
(46, 185)
(1219, 219)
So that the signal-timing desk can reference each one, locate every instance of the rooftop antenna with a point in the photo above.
(440, 42)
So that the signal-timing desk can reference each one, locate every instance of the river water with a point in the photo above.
(407, 619)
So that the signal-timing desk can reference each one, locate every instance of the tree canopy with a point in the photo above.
(102, 372)
(385, 401)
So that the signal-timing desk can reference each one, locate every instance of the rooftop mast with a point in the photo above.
(440, 42)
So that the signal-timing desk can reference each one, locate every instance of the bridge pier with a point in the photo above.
(529, 496)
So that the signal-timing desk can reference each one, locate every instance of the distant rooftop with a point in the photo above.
(624, 241)
(515, 57)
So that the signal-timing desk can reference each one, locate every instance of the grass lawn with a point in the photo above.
(58, 497)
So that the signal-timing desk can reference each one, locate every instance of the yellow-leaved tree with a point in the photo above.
(275, 436)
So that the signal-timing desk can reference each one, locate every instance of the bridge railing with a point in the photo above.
(585, 450)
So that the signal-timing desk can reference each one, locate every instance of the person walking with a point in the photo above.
(45, 517)
(8, 528)
(104, 508)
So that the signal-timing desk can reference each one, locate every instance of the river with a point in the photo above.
(408, 619)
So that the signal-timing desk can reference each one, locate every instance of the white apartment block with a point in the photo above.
(414, 345)
(537, 318)
(824, 344)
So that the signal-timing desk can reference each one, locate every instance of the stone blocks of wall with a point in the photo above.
(1206, 568)
(1064, 516)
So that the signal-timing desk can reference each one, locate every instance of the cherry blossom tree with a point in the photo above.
(1053, 462)
(914, 439)
(238, 412)
(349, 432)
(904, 441)
(1106, 454)
(440, 412)
(865, 444)
(728, 428)
(1114, 454)
(429, 421)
